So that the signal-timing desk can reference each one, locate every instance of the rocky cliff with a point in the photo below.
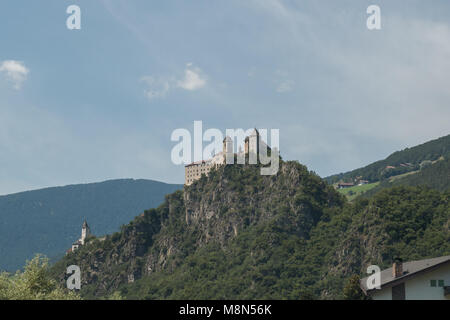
(215, 209)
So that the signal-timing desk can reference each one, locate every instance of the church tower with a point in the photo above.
(227, 145)
(252, 142)
(228, 150)
(85, 232)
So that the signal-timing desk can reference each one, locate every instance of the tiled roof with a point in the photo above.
(198, 162)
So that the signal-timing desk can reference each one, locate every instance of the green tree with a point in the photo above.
(34, 283)
(115, 296)
(352, 290)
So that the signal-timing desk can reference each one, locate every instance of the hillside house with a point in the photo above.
(427, 279)
(342, 185)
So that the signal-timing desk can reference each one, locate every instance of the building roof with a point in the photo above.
(410, 269)
(346, 184)
(198, 162)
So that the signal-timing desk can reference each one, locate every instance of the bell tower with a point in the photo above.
(85, 232)
(228, 149)
(252, 142)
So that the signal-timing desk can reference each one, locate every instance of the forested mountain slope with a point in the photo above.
(407, 160)
(49, 220)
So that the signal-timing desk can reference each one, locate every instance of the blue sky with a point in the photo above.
(79, 106)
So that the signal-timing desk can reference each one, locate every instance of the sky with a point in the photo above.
(99, 103)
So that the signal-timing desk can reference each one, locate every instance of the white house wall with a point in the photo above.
(419, 288)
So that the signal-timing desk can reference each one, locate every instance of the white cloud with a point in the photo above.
(283, 81)
(15, 71)
(156, 87)
(193, 78)
(284, 86)
(367, 94)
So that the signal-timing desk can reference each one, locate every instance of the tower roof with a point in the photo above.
(255, 132)
(85, 225)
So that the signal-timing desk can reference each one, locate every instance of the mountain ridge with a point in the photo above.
(83, 184)
(398, 162)
(48, 220)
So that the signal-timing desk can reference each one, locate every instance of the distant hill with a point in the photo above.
(49, 220)
(400, 162)
(435, 176)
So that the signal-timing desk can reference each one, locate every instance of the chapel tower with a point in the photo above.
(85, 232)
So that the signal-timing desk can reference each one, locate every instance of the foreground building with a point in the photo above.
(427, 279)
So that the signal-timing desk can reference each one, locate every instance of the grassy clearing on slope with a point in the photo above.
(393, 178)
(352, 192)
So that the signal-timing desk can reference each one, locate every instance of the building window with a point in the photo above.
(433, 283)
(440, 283)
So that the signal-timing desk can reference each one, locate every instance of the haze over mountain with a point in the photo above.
(49, 220)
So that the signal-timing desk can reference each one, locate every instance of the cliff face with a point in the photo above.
(235, 198)
(214, 210)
